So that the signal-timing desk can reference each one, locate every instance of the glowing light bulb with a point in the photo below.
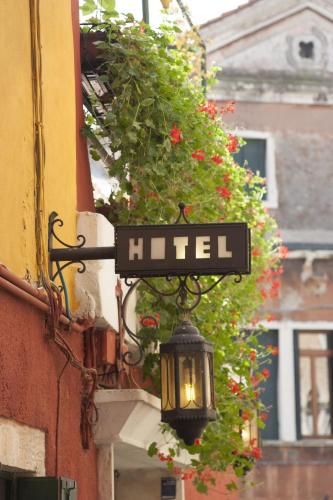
(190, 392)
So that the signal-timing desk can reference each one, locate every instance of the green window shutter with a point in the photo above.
(5, 486)
(269, 395)
(253, 156)
(46, 488)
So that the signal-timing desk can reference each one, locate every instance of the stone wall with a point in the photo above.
(292, 472)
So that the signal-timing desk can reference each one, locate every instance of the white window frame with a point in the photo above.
(271, 184)
(286, 378)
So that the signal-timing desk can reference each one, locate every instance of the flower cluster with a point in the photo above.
(235, 387)
(217, 159)
(199, 154)
(175, 135)
(209, 108)
(168, 135)
(165, 458)
(223, 192)
(228, 107)
(150, 321)
(232, 144)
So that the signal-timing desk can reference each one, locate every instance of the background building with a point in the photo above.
(277, 64)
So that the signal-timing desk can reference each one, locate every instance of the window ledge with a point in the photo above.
(303, 443)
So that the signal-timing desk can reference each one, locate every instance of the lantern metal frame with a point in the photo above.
(186, 340)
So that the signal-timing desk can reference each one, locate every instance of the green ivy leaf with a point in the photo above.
(109, 5)
(232, 486)
(201, 487)
(94, 154)
(147, 102)
(152, 450)
(88, 7)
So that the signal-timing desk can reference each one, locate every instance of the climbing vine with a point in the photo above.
(167, 144)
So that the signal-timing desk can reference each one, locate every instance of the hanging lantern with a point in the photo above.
(187, 381)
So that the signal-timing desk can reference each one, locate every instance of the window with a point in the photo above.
(314, 370)
(33, 488)
(306, 50)
(5, 486)
(258, 155)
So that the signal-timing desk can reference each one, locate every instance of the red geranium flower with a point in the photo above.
(283, 252)
(176, 135)
(223, 192)
(253, 355)
(188, 209)
(228, 107)
(263, 416)
(217, 159)
(150, 321)
(232, 144)
(234, 387)
(209, 108)
(265, 373)
(199, 154)
(274, 350)
(256, 453)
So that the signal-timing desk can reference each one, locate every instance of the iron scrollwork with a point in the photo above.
(186, 289)
(54, 221)
(181, 287)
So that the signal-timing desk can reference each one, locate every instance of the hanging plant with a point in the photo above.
(167, 144)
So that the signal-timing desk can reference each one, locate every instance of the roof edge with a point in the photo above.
(229, 13)
(280, 17)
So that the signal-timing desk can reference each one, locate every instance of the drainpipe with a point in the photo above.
(145, 11)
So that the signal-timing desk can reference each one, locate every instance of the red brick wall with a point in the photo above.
(294, 472)
(29, 368)
(217, 492)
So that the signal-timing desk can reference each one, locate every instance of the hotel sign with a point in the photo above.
(179, 249)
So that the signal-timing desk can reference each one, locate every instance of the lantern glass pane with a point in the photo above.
(190, 380)
(168, 382)
(209, 380)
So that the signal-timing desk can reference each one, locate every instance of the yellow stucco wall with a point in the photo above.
(17, 163)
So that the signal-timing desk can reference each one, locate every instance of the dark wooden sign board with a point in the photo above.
(180, 249)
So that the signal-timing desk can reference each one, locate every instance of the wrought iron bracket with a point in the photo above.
(181, 287)
(72, 254)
